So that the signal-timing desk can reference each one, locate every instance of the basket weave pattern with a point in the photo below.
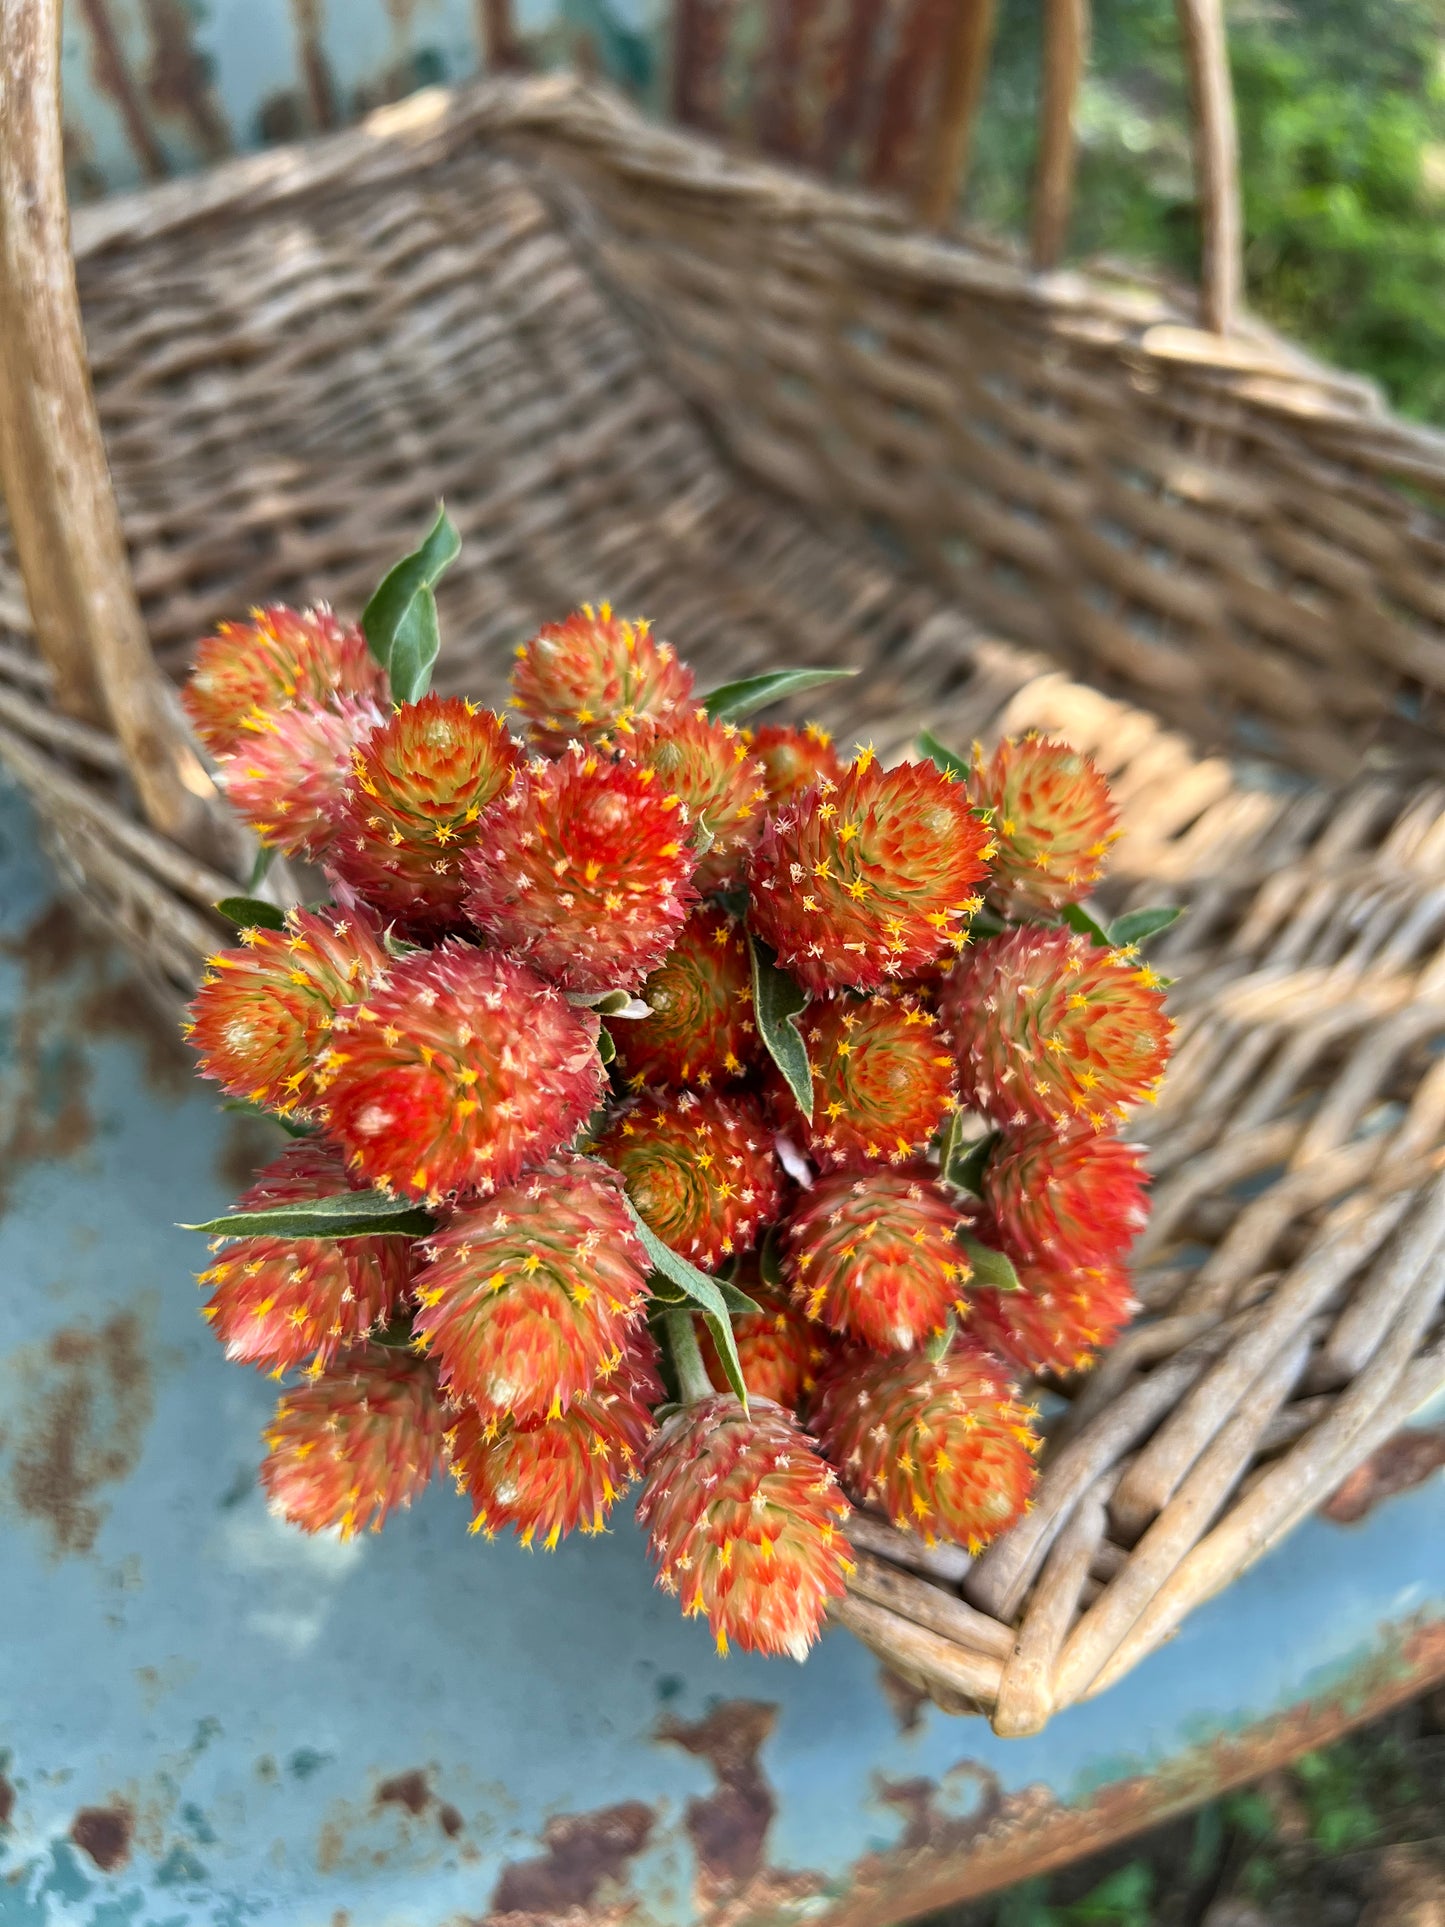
(770, 416)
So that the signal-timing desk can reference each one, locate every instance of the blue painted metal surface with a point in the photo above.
(207, 1717)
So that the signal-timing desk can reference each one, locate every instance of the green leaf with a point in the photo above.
(606, 1049)
(965, 1167)
(777, 1000)
(693, 1284)
(1138, 926)
(400, 620)
(265, 857)
(941, 756)
(293, 1127)
(937, 1346)
(1078, 918)
(738, 1302)
(349, 1214)
(991, 1269)
(250, 913)
(735, 701)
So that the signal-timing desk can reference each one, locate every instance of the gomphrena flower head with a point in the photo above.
(869, 878)
(290, 768)
(1053, 1028)
(1058, 1320)
(419, 788)
(745, 1522)
(277, 1302)
(883, 1079)
(701, 1030)
(793, 759)
(577, 679)
(549, 1477)
(945, 1448)
(876, 1257)
(718, 778)
(347, 1448)
(781, 1352)
(700, 1169)
(584, 871)
(462, 1068)
(280, 657)
(1052, 818)
(1065, 1200)
(262, 1015)
(529, 1299)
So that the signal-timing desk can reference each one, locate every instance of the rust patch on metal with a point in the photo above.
(906, 1700)
(178, 78)
(249, 1143)
(729, 1828)
(320, 84)
(84, 1402)
(123, 1009)
(113, 78)
(585, 1852)
(1404, 1461)
(409, 1790)
(449, 1820)
(104, 1833)
(7, 1800)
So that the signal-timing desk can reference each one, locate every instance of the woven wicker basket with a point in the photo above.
(793, 429)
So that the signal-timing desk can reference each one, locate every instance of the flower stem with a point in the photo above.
(693, 1382)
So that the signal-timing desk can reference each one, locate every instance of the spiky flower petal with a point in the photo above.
(529, 1299)
(744, 1520)
(351, 1446)
(793, 759)
(1052, 818)
(720, 781)
(1066, 1201)
(869, 878)
(946, 1449)
(546, 1478)
(462, 1068)
(263, 1012)
(781, 1352)
(577, 679)
(584, 871)
(1058, 1320)
(419, 788)
(699, 1168)
(876, 1257)
(1051, 1027)
(701, 1029)
(280, 657)
(277, 1302)
(291, 767)
(882, 1082)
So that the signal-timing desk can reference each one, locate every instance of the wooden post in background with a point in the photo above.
(965, 52)
(1216, 161)
(53, 469)
(1065, 51)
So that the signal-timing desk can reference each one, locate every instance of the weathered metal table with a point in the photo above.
(206, 1717)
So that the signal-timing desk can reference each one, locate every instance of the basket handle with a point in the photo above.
(53, 471)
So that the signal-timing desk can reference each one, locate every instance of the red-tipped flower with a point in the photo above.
(876, 1257)
(264, 1010)
(1066, 1201)
(577, 679)
(460, 1070)
(291, 767)
(1052, 818)
(529, 1299)
(701, 1029)
(547, 1478)
(277, 1302)
(354, 1444)
(584, 871)
(717, 777)
(700, 1170)
(1052, 1028)
(870, 878)
(882, 1082)
(280, 657)
(419, 787)
(744, 1520)
(781, 1352)
(1059, 1318)
(945, 1449)
(793, 759)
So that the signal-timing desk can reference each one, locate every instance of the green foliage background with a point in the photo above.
(1342, 134)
